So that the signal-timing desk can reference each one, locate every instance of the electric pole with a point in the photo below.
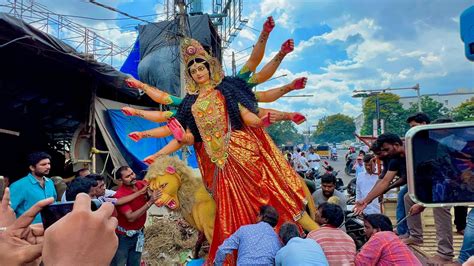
(234, 68)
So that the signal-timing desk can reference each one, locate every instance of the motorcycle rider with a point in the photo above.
(334, 152)
(313, 159)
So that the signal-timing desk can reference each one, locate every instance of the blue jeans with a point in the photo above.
(126, 254)
(467, 248)
(400, 212)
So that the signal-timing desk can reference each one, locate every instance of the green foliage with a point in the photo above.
(432, 108)
(334, 128)
(284, 133)
(464, 112)
(391, 111)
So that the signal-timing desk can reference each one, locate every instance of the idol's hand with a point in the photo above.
(269, 25)
(297, 118)
(176, 129)
(269, 119)
(133, 83)
(299, 83)
(287, 47)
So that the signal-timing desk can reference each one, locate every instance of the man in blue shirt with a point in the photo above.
(298, 251)
(255, 243)
(33, 187)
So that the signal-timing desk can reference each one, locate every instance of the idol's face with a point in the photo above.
(199, 73)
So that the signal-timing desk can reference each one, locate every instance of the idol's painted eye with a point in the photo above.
(201, 68)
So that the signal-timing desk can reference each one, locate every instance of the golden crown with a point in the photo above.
(192, 49)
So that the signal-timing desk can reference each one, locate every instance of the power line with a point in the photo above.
(86, 17)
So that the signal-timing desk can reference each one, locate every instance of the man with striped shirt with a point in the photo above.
(338, 246)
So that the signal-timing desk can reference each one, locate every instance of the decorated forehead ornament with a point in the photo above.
(192, 49)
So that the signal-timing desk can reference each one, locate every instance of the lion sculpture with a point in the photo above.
(183, 191)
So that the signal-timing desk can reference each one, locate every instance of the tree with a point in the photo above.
(391, 111)
(284, 132)
(464, 112)
(432, 108)
(334, 128)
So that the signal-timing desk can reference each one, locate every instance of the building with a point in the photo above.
(449, 100)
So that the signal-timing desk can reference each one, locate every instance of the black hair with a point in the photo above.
(328, 178)
(443, 120)
(235, 91)
(332, 213)
(95, 177)
(118, 173)
(389, 138)
(78, 172)
(269, 215)
(375, 147)
(35, 157)
(288, 231)
(298, 150)
(419, 118)
(198, 60)
(79, 185)
(361, 151)
(368, 157)
(379, 221)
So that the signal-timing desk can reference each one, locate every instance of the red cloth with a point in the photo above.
(385, 248)
(255, 174)
(133, 205)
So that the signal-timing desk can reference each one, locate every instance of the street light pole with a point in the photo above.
(417, 88)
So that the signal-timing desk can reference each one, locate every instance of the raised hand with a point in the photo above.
(150, 159)
(136, 136)
(268, 119)
(79, 233)
(7, 215)
(133, 83)
(176, 129)
(269, 25)
(299, 83)
(287, 47)
(22, 242)
(297, 118)
(128, 111)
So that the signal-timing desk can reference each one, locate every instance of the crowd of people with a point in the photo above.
(119, 223)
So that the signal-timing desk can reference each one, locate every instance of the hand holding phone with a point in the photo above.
(81, 232)
(21, 242)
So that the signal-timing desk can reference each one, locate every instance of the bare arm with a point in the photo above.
(128, 198)
(380, 187)
(134, 215)
(259, 48)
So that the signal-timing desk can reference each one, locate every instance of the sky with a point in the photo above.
(340, 46)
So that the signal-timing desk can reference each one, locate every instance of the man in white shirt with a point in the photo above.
(365, 182)
(301, 165)
(313, 159)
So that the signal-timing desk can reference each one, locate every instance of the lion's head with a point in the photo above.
(176, 182)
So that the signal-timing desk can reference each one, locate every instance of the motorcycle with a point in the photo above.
(351, 191)
(355, 229)
(349, 170)
(334, 157)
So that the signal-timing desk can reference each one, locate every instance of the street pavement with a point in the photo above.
(339, 165)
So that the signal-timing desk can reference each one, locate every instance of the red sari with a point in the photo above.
(243, 169)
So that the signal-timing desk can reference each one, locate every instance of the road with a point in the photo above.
(339, 165)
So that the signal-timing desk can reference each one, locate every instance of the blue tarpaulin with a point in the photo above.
(130, 65)
(124, 125)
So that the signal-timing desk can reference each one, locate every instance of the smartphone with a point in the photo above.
(440, 164)
(52, 213)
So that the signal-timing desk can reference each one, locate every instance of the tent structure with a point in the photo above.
(155, 56)
(47, 91)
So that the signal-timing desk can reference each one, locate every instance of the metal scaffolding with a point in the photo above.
(82, 38)
(227, 17)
